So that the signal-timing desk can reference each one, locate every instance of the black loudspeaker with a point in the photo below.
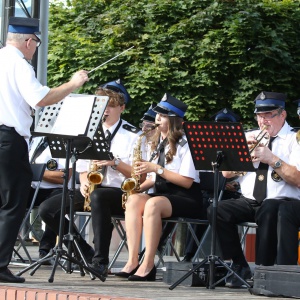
(173, 271)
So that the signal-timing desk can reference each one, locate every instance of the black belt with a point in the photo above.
(4, 127)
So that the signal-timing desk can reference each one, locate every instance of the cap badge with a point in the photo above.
(164, 98)
(262, 96)
(225, 111)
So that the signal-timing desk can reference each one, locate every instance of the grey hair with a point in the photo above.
(17, 37)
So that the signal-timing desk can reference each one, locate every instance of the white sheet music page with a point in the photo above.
(74, 115)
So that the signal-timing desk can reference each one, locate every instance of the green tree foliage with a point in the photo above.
(209, 54)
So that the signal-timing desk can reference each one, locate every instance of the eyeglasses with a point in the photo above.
(146, 126)
(38, 42)
(267, 116)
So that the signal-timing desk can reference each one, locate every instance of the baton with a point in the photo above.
(109, 60)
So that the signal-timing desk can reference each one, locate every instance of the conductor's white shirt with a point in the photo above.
(19, 90)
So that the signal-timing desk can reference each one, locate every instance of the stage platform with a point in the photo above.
(75, 287)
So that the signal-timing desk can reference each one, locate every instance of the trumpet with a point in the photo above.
(298, 137)
(262, 139)
(95, 177)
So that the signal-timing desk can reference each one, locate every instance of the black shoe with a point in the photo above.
(244, 272)
(7, 276)
(43, 254)
(151, 276)
(100, 270)
(125, 274)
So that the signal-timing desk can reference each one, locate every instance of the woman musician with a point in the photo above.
(177, 190)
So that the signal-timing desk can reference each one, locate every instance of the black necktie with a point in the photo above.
(160, 183)
(161, 158)
(39, 149)
(260, 186)
(108, 141)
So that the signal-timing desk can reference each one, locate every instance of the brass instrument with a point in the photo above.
(262, 139)
(132, 185)
(298, 137)
(95, 177)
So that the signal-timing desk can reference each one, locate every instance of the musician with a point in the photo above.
(288, 225)
(20, 90)
(275, 181)
(177, 191)
(106, 200)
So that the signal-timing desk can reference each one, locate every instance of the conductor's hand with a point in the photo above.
(79, 78)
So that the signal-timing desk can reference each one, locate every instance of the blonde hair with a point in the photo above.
(115, 98)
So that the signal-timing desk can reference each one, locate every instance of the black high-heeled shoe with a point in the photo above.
(125, 274)
(151, 276)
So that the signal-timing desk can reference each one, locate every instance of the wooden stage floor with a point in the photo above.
(75, 287)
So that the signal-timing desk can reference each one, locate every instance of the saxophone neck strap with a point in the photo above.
(115, 131)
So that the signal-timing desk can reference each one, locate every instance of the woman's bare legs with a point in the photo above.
(134, 228)
(155, 209)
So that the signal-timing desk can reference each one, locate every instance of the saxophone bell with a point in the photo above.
(94, 177)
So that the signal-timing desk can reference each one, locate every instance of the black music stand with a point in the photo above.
(90, 145)
(218, 147)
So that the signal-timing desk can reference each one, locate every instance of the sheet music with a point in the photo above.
(74, 115)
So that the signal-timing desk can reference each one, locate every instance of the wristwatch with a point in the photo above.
(116, 163)
(160, 171)
(277, 164)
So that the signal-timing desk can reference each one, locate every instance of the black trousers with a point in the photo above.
(233, 211)
(50, 211)
(48, 239)
(15, 181)
(105, 202)
(288, 227)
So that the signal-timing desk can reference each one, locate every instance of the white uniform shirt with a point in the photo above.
(182, 162)
(122, 146)
(44, 157)
(19, 90)
(287, 149)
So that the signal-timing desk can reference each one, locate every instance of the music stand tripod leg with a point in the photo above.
(212, 258)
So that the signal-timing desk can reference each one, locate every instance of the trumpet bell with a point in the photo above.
(128, 185)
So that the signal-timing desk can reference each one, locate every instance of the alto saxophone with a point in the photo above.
(95, 177)
(132, 185)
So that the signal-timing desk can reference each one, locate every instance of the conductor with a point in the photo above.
(20, 91)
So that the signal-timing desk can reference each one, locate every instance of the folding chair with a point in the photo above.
(117, 224)
(38, 173)
(207, 184)
(245, 226)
